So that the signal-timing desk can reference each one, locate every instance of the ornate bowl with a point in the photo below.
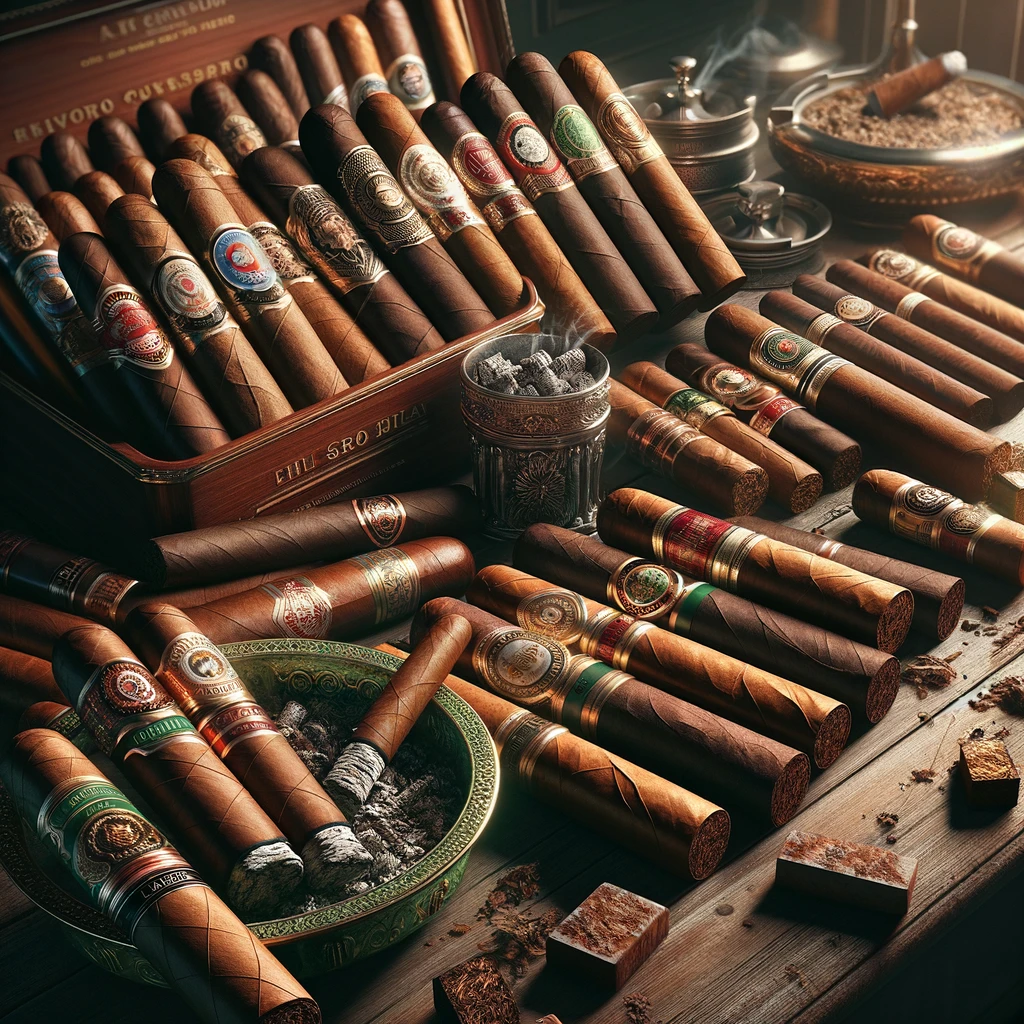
(320, 940)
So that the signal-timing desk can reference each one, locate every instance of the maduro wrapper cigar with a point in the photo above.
(850, 602)
(135, 174)
(65, 159)
(138, 725)
(219, 113)
(935, 519)
(320, 72)
(791, 481)
(704, 254)
(938, 598)
(400, 53)
(25, 680)
(32, 628)
(112, 140)
(28, 172)
(204, 152)
(272, 55)
(181, 927)
(98, 190)
(159, 125)
(948, 449)
(740, 692)
(65, 215)
(661, 441)
(548, 185)
(358, 58)
(345, 599)
(452, 45)
(269, 108)
(770, 412)
(895, 93)
(605, 705)
(605, 186)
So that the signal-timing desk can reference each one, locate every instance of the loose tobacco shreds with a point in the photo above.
(922, 774)
(1007, 694)
(887, 819)
(928, 672)
(638, 1009)
(518, 938)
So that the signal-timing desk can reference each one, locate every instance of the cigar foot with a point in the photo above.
(806, 493)
(334, 856)
(832, 736)
(264, 877)
(708, 846)
(353, 775)
(894, 623)
(749, 492)
(950, 608)
(790, 788)
(882, 690)
(846, 468)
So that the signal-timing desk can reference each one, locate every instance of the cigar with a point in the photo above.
(28, 172)
(209, 692)
(662, 822)
(548, 185)
(893, 94)
(65, 159)
(451, 43)
(791, 481)
(150, 892)
(346, 261)
(938, 598)
(672, 737)
(933, 518)
(240, 388)
(204, 152)
(390, 718)
(358, 59)
(324, 533)
(248, 282)
(98, 190)
(929, 439)
(858, 675)
(849, 602)
(219, 113)
(32, 628)
(890, 364)
(112, 140)
(1005, 390)
(605, 186)
(734, 689)
(966, 255)
(320, 72)
(272, 55)
(698, 245)
(57, 716)
(135, 175)
(159, 125)
(65, 215)
(442, 201)
(571, 309)
(26, 680)
(342, 600)
(190, 597)
(338, 152)
(269, 108)
(662, 442)
(399, 49)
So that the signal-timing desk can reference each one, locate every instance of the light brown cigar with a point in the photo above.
(58, 717)
(112, 140)
(455, 55)
(33, 628)
(320, 72)
(271, 54)
(98, 190)
(159, 125)
(358, 59)
(135, 175)
(203, 151)
(25, 680)
(191, 597)
(269, 108)
(400, 53)
(221, 116)
(65, 159)
(28, 172)
(893, 94)
(65, 215)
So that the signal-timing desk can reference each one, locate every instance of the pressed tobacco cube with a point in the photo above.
(474, 992)
(991, 779)
(1006, 495)
(836, 869)
(608, 936)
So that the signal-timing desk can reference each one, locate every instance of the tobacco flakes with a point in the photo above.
(928, 672)
(1007, 694)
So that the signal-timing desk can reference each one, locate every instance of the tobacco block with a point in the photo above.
(991, 779)
(836, 869)
(1006, 495)
(608, 936)
(474, 992)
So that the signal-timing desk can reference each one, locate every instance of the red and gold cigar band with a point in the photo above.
(382, 518)
(694, 407)
(534, 165)
(487, 179)
(557, 613)
(521, 739)
(291, 267)
(128, 330)
(654, 438)
(409, 80)
(900, 267)
(301, 609)
(933, 517)
(627, 135)
(611, 636)
(437, 192)
(394, 582)
(961, 250)
(794, 363)
(702, 545)
(740, 389)
(579, 144)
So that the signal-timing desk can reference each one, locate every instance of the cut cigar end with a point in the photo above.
(882, 690)
(333, 857)
(950, 609)
(806, 493)
(790, 789)
(749, 492)
(708, 846)
(832, 736)
(264, 878)
(353, 775)
(895, 622)
(845, 468)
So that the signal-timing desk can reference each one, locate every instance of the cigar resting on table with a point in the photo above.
(65, 159)
(97, 190)
(316, 62)
(159, 125)
(400, 53)
(28, 172)
(220, 115)
(358, 59)
(269, 108)
(272, 55)
(112, 140)
(451, 44)
(135, 174)
(204, 152)
(65, 215)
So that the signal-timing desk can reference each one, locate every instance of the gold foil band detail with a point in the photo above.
(394, 582)
(660, 529)
(730, 555)
(521, 739)
(906, 306)
(558, 613)
(817, 330)
(657, 436)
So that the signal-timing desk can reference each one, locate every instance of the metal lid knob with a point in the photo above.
(760, 202)
(683, 68)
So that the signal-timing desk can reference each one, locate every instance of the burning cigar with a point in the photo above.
(220, 115)
(272, 55)
(571, 309)
(269, 108)
(442, 201)
(858, 675)
(1006, 390)
(932, 440)
(320, 72)
(345, 599)
(358, 58)
(910, 374)
(26, 680)
(399, 49)
(129, 871)
(893, 94)
(548, 185)
(670, 736)
(452, 44)
(28, 172)
(57, 716)
(65, 215)
(605, 186)
(661, 441)
(339, 152)
(65, 159)
(238, 385)
(791, 481)
(98, 190)
(135, 175)
(204, 152)
(32, 628)
(112, 140)
(850, 602)
(703, 253)
(390, 718)
(770, 412)
(159, 125)
(933, 518)
(740, 692)
(208, 690)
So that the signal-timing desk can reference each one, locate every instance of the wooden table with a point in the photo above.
(738, 950)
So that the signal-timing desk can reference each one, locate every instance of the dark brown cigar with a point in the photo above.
(272, 55)
(65, 159)
(320, 72)
(248, 282)
(98, 190)
(1006, 390)
(25, 680)
(670, 736)
(154, 897)
(400, 53)
(442, 200)
(174, 420)
(893, 94)
(219, 113)
(28, 172)
(269, 108)
(203, 151)
(604, 185)
(60, 718)
(330, 241)
(32, 628)
(873, 611)
(112, 140)
(65, 215)
(238, 385)
(548, 185)
(884, 361)
(698, 245)
(661, 441)
(949, 450)
(791, 481)
(159, 125)
(135, 175)
(935, 519)
(861, 676)
(571, 309)
(455, 56)
(339, 152)
(358, 58)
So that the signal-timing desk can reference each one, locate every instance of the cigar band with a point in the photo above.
(40, 280)
(80, 345)
(534, 165)
(487, 180)
(129, 331)
(765, 418)
(365, 85)
(81, 585)
(409, 80)
(794, 363)
(507, 208)
(687, 539)
(694, 407)
(817, 330)
(611, 636)
(934, 518)
(730, 555)
(520, 665)
(382, 518)
(10, 544)
(962, 250)
(22, 231)
(291, 267)
(301, 609)
(520, 739)
(588, 684)
(241, 263)
(644, 589)
(627, 135)
(852, 309)
(901, 267)
(657, 437)
(579, 143)
(198, 676)
(238, 136)
(436, 190)
(906, 306)
(556, 613)
(223, 728)
(829, 550)
(680, 619)
(394, 582)
(188, 299)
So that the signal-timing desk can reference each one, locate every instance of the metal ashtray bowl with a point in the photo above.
(333, 936)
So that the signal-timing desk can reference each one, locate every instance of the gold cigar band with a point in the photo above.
(557, 613)
(583, 693)
(519, 664)
(643, 588)
(521, 739)
(961, 249)
(198, 676)
(817, 330)
(730, 555)
(394, 582)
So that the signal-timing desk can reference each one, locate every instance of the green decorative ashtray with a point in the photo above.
(340, 933)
